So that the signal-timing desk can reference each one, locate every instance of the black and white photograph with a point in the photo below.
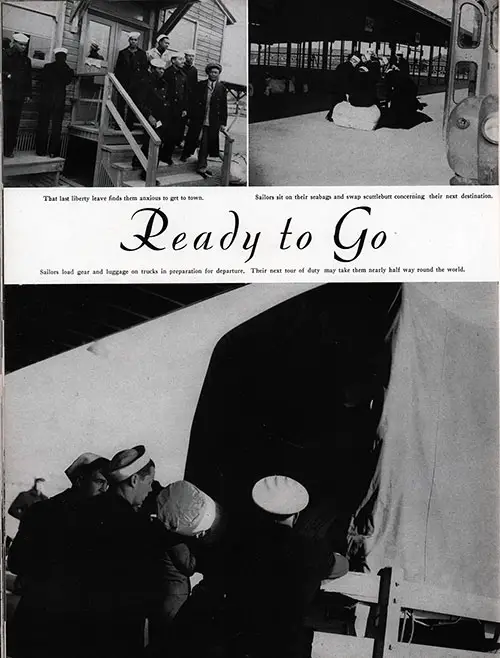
(373, 92)
(252, 471)
(117, 93)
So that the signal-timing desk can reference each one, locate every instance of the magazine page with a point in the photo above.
(251, 403)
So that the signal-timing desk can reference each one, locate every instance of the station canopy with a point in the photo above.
(398, 21)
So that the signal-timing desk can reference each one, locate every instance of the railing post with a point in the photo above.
(102, 128)
(153, 152)
(226, 162)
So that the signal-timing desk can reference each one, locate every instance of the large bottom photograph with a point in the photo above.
(254, 471)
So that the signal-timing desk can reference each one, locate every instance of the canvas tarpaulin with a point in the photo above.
(436, 514)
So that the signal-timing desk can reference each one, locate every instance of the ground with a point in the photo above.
(308, 150)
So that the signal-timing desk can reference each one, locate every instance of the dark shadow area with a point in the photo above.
(297, 391)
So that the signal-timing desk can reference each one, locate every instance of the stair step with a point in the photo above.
(117, 148)
(177, 180)
(163, 169)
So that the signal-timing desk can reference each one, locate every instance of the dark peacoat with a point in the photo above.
(131, 69)
(16, 75)
(217, 115)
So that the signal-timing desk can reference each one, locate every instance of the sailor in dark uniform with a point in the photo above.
(46, 619)
(153, 103)
(115, 559)
(55, 77)
(16, 83)
(178, 99)
(343, 77)
(279, 571)
(24, 500)
(131, 70)
(191, 73)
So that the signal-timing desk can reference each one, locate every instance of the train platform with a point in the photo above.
(308, 150)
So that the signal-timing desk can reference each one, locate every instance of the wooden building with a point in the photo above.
(75, 24)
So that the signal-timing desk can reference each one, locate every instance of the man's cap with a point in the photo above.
(39, 479)
(279, 494)
(95, 44)
(160, 37)
(213, 65)
(175, 53)
(134, 35)
(190, 51)
(20, 38)
(82, 462)
(127, 463)
(158, 63)
(185, 509)
(61, 50)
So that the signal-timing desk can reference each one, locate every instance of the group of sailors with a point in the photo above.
(370, 81)
(163, 85)
(183, 111)
(117, 549)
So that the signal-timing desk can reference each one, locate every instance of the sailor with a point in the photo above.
(178, 100)
(55, 77)
(208, 115)
(196, 527)
(191, 73)
(342, 81)
(153, 103)
(41, 555)
(131, 70)
(24, 500)
(160, 51)
(279, 572)
(16, 83)
(115, 559)
(94, 51)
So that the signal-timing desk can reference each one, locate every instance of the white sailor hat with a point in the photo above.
(20, 38)
(175, 53)
(82, 462)
(61, 50)
(185, 509)
(134, 35)
(158, 63)
(160, 37)
(190, 51)
(279, 494)
(128, 462)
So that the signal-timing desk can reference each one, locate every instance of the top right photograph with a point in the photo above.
(373, 92)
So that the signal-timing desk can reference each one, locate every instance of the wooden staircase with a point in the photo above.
(117, 161)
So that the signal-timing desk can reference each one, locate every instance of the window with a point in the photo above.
(494, 29)
(334, 56)
(183, 36)
(40, 29)
(316, 60)
(464, 80)
(254, 54)
(469, 26)
(277, 54)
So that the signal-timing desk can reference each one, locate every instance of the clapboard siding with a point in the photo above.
(211, 23)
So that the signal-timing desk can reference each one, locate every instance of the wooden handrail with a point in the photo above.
(149, 164)
(142, 119)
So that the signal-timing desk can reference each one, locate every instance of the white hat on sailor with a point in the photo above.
(82, 461)
(185, 509)
(60, 50)
(158, 63)
(190, 51)
(20, 38)
(160, 37)
(134, 35)
(175, 53)
(128, 462)
(279, 494)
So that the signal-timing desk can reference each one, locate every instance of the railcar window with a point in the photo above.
(494, 29)
(469, 26)
(465, 80)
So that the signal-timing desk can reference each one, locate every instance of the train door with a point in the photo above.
(471, 107)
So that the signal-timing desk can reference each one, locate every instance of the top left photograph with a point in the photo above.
(122, 93)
